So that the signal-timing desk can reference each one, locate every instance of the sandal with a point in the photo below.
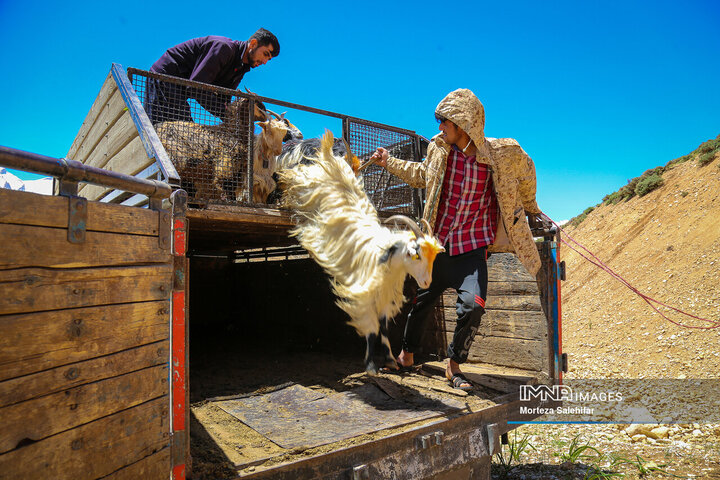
(458, 380)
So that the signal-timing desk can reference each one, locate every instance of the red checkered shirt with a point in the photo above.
(467, 213)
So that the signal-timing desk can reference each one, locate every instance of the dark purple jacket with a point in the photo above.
(212, 59)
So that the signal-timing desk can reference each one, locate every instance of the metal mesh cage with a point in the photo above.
(387, 192)
(206, 131)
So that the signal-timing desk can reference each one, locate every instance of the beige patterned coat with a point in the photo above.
(513, 174)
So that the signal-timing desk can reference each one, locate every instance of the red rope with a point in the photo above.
(649, 300)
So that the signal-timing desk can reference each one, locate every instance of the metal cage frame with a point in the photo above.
(389, 194)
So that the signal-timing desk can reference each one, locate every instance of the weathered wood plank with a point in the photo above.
(512, 288)
(510, 324)
(68, 376)
(102, 125)
(218, 214)
(106, 91)
(499, 288)
(132, 159)
(153, 467)
(510, 352)
(31, 246)
(48, 415)
(93, 450)
(26, 208)
(121, 133)
(38, 341)
(524, 303)
(484, 376)
(507, 268)
(36, 289)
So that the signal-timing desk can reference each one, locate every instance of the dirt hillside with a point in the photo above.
(667, 244)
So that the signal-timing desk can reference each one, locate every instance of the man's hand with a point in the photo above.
(380, 157)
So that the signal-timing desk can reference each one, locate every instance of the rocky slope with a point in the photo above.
(666, 244)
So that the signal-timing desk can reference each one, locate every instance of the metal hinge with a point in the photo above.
(564, 362)
(561, 270)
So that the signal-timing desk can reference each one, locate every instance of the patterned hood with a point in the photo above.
(463, 108)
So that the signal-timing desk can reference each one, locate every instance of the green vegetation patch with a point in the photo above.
(652, 179)
(706, 158)
(575, 221)
(648, 184)
(705, 153)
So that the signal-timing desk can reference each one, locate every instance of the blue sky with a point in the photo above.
(595, 92)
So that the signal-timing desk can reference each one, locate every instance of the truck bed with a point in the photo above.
(288, 407)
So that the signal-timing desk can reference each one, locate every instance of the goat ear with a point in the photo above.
(412, 250)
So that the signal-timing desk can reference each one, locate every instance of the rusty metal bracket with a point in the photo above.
(178, 448)
(361, 472)
(67, 188)
(164, 225)
(77, 219)
(164, 229)
(493, 435)
(429, 440)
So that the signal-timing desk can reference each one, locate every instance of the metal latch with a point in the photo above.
(561, 270)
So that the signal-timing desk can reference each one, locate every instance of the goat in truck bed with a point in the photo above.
(367, 262)
(211, 159)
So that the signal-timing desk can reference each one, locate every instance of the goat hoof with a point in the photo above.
(372, 369)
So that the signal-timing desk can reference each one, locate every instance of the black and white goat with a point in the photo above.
(367, 261)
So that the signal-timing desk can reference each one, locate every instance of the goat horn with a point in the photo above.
(273, 114)
(427, 227)
(348, 153)
(248, 91)
(407, 221)
(366, 164)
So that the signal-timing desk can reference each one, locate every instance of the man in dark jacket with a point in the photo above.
(215, 60)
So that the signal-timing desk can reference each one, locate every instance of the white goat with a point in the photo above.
(267, 146)
(366, 261)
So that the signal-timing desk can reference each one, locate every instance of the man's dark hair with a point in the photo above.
(265, 37)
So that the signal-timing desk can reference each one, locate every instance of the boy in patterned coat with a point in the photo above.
(478, 192)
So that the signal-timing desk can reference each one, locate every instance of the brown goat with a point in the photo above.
(211, 159)
(267, 146)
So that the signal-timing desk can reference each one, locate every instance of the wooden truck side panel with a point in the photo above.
(513, 321)
(84, 342)
(116, 135)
